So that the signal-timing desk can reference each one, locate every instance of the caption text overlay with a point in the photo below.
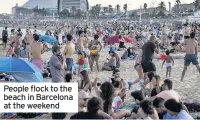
(38, 97)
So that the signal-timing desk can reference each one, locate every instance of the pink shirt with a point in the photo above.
(169, 94)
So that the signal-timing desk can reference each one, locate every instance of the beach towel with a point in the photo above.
(193, 107)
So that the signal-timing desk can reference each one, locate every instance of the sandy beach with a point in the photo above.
(189, 89)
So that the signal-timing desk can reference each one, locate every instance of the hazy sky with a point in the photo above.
(6, 5)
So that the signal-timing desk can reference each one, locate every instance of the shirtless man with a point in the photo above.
(95, 52)
(191, 48)
(68, 53)
(28, 39)
(36, 51)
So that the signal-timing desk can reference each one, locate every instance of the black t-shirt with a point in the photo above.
(148, 51)
(161, 115)
(154, 92)
(86, 115)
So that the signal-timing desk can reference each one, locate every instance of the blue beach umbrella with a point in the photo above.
(22, 70)
(48, 39)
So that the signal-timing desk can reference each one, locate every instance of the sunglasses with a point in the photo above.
(85, 99)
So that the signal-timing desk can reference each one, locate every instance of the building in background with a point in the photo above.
(68, 4)
(41, 4)
(52, 11)
(183, 8)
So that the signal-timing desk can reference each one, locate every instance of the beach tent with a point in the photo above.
(48, 39)
(22, 70)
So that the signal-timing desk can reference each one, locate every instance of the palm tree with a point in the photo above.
(162, 8)
(65, 13)
(178, 2)
(145, 7)
(125, 7)
(105, 9)
(73, 11)
(196, 4)
(118, 8)
(98, 9)
(169, 6)
(93, 11)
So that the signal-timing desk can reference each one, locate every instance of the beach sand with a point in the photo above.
(189, 89)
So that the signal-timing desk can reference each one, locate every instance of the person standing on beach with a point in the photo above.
(36, 51)
(16, 39)
(69, 52)
(28, 39)
(191, 48)
(5, 37)
(148, 52)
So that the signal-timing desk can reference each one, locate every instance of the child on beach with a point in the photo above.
(10, 52)
(169, 62)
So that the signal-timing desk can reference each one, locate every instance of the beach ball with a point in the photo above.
(163, 56)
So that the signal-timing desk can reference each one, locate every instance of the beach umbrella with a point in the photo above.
(115, 39)
(22, 70)
(48, 39)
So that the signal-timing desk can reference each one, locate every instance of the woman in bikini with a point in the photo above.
(138, 66)
(95, 52)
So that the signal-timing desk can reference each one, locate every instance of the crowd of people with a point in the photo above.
(154, 98)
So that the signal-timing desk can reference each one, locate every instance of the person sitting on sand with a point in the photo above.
(121, 43)
(83, 98)
(111, 64)
(191, 48)
(158, 104)
(175, 109)
(94, 107)
(36, 51)
(154, 86)
(147, 112)
(119, 83)
(107, 93)
(168, 93)
(85, 81)
(95, 52)
(139, 97)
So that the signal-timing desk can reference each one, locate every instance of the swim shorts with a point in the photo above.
(186, 37)
(191, 58)
(69, 62)
(5, 39)
(168, 65)
(148, 66)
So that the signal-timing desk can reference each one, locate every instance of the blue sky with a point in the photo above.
(6, 5)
